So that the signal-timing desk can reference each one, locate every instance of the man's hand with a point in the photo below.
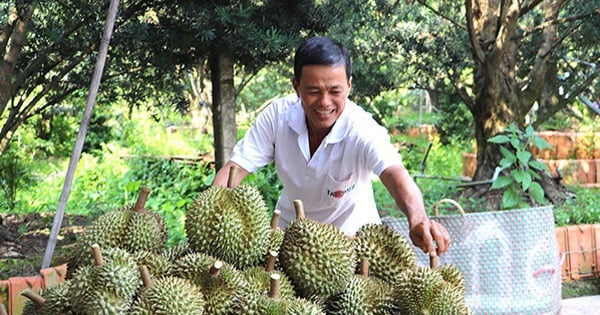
(427, 234)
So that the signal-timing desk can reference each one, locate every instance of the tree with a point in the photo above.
(518, 50)
(226, 38)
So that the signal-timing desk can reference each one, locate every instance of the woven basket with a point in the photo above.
(509, 259)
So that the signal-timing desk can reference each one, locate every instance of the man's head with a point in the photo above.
(322, 81)
(321, 51)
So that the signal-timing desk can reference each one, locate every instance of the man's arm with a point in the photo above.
(409, 199)
(222, 176)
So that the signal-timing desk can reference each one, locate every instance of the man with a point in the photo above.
(326, 149)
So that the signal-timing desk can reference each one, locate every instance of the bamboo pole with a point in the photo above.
(85, 121)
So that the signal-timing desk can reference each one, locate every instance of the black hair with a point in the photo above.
(321, 50)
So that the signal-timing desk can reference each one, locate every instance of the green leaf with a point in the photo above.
(522, 178)
(524, 157)
(528, 131)
(540, 143)
(501, 182)
(500, 139)
(534, 174)
(504, 163)
(510, 199)
(511, 157)
(516, 143)
(537, 192)
(540, 166)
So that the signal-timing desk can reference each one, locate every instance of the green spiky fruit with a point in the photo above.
(230, 224)
(452, 275)
(362, 296)
(318, 258)
(259, 282)
(174, 252)
(300, 306)
(123, 228)
(107, 288)
(57, 301)
(224, 287)
(169, 295)
(423, 290)
(158, 265)
(389, 252)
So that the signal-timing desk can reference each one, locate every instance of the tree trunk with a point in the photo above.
(223, 106)
(498, 100)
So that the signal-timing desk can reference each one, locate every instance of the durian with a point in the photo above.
(108, 286)
(130, 228)
(259, 279)
(51, 300)
(318, 258)
(389, 252)
(230, 224)
(363, 295)
(167, 295)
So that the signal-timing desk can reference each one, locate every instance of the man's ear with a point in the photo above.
(295, 84)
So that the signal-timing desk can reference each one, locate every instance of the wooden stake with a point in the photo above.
(98, 259)
(275, 283)
(299, 206)
(433, 262)
(3, 310)
(34, 297)
(233, 170)
(215, 268)
(141, 201)
(275, 219)
(364, 267)
(271, 261)
(146, 277)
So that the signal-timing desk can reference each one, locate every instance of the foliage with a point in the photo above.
(14, 176)
(267, 182)
(455, 122)
(581, 208)
(519, 179)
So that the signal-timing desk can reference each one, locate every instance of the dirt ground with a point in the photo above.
(24, 238)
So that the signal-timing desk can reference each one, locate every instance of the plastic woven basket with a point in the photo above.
(509, 259)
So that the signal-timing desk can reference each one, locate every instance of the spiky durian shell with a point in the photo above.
(452, 275)
(389, 252)
(362, 296)
(169, 295)
(106, 231)
(145, 231)
(57, 301)
(174, 252)
(105, 289)
(230, 224)
(301, 306)
(415, 288)
(318, 258)
(259, 282)
(157, 264)
(225, 293)
(449, 300)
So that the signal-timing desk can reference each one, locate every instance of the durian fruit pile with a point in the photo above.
(236, 260)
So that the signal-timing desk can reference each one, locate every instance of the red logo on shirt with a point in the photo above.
(340, 193)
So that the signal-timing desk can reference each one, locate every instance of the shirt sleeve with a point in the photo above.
(380, 152)
(256, 149)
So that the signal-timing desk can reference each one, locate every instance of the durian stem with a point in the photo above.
(364, 267)
(274, 290)
(433, 262)
(232, 176)
(3, 310)
(275, 218)
(146, 278)
(299, 206)
(98, 259)
(271, 261)
(215, 268)
(34, 297)
(141, 201)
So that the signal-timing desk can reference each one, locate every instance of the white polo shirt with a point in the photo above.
(335, 183)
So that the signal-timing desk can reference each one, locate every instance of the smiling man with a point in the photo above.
(326, 149)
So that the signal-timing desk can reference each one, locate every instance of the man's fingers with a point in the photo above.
(441, 237)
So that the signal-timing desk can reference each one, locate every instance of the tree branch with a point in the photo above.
(525, 8)
(441, 14)
(508, 27)
(572, 18)
(478, 53)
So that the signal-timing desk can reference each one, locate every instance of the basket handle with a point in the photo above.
(451, 201)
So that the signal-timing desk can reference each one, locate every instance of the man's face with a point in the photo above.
(323, 91)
